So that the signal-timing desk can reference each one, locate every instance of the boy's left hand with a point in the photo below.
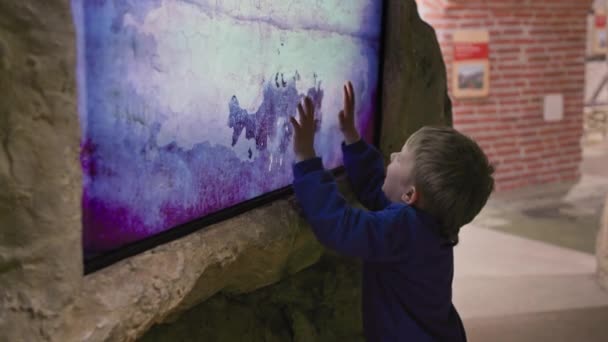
(304, 131)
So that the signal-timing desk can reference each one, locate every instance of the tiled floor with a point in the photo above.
(525, 268)
(557, 326)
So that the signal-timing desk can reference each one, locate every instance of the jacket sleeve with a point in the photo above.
(365, 170)
(373, 236)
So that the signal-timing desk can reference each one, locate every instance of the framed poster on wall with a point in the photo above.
(471, 65)
(185, 107)
(600, 44)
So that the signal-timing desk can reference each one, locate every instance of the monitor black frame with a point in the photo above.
(106, 259)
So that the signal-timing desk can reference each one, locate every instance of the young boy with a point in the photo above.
(437, 183)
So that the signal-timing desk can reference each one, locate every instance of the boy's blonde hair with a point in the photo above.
(453, 176)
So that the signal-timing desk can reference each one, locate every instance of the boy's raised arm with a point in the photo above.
(365, 171)
(350, 231)
(363, 163)
(372, 236)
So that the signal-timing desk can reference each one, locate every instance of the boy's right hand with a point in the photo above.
(347, 116)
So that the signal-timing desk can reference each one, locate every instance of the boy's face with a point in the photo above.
(398, 181)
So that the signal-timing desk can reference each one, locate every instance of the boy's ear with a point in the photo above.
(411, 196)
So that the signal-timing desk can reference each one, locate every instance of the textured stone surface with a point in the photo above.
(602, 249)
(40, 252)
(43, 295)
(321, 303)
(236, 256)
(414, 88)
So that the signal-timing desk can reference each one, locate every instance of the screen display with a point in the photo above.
(185, 104)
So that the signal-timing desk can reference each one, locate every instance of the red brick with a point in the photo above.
(537, 48)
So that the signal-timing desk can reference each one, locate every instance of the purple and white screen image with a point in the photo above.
(184, 104)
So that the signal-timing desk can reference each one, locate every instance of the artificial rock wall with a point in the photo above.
(259, 260)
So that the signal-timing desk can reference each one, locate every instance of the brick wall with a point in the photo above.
(537, 47)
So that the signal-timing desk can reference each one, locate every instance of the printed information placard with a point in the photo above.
(471, 67)
(599, 34)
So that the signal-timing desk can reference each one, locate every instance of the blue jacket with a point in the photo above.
(407, 266)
